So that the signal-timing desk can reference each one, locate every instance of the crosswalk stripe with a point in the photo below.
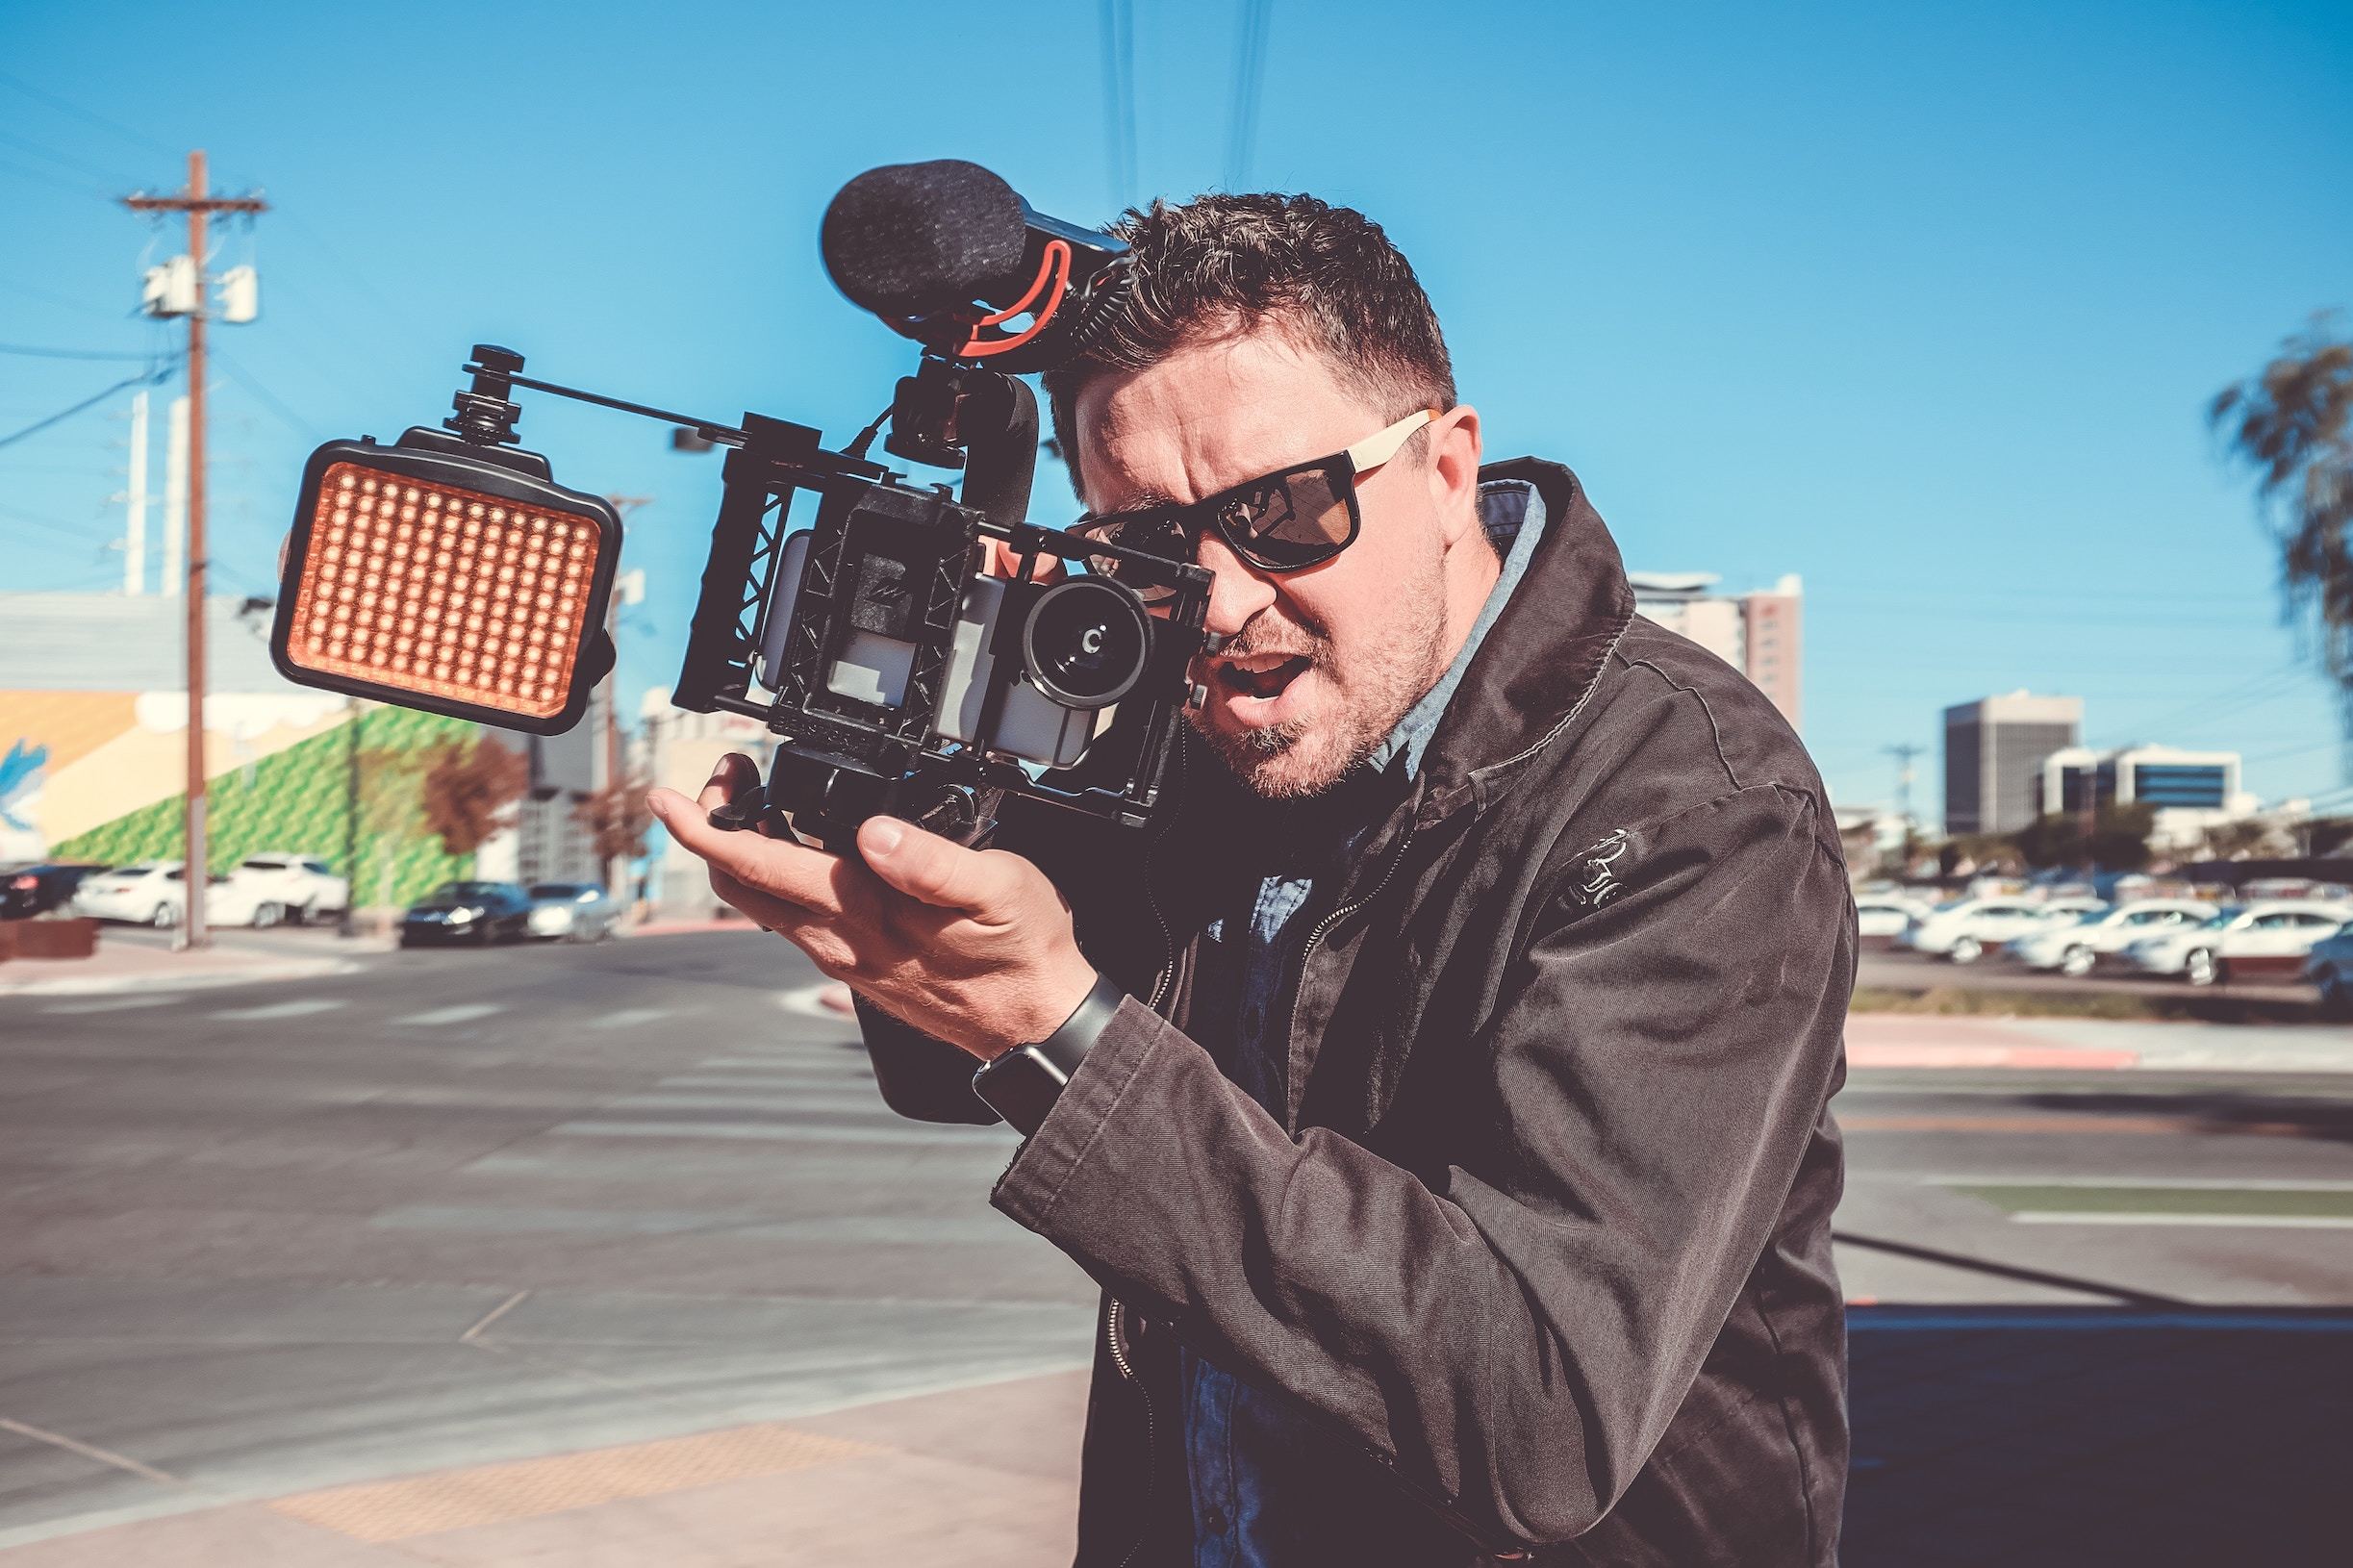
(800, 1099)
(779, 1081)
(112, 1005)
(463, 1013)
(282, 1009)
(784, 1132)
(629, 1018)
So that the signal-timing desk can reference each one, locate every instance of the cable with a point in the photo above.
(99, 120)
(73, 353)
(294, 421)
(62, 160)
(150, 378)
(1250, 74)
(1119, 98)
(44, 177)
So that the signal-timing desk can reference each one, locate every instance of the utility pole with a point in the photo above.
(628, 588)
(1903, 755)
(198, 204)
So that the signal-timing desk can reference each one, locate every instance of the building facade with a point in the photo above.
(1760, 633)
(2192, 791)
(1994, 750)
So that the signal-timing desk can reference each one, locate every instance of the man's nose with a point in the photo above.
(1236, 592)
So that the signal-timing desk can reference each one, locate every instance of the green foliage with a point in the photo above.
(2293, 423)
(295, 801)
(2117, 839)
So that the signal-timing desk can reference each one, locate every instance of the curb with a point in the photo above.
(301, 968)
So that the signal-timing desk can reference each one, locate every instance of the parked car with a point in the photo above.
(26, 890)
(1881, 918)
(2261, 941)
(2329, 967)
(155, 892)
(477, 912)
(1966, 931)
(144, 893)
(572, 911)
(2075, 949)
(299, 885)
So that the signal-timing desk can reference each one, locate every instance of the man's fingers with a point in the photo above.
(927, 866)
(732, 776)
(1004, 560)
(804, 877)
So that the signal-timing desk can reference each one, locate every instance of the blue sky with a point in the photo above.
(1923, 307)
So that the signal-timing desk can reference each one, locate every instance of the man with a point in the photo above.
(1459, 1166)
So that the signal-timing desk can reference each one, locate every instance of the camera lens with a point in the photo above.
(1086, 641)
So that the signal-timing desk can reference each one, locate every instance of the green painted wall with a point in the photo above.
(293, 800)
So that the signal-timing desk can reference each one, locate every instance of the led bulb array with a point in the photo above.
(440, 590)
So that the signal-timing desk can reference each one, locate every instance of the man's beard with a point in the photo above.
(1303, 757)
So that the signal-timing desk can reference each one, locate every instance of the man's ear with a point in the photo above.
(1452, 470)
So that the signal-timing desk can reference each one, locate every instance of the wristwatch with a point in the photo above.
(1022, 1084)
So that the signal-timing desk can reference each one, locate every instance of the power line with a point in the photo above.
(62, 160)
(44, 177)
(79, 112)
(293, 422)
(1119, 28)
(1250, 73)
(149, 377)
(73, 353)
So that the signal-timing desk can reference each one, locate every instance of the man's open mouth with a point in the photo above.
(1261, 675)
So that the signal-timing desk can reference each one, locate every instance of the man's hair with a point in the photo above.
(1227, 264)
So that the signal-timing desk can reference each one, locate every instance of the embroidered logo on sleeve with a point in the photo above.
(1597, 879)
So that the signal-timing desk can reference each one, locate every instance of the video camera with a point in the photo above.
(450, 572)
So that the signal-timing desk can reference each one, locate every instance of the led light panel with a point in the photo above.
(447, 593)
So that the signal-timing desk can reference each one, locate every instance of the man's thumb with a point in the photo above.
(924, 865)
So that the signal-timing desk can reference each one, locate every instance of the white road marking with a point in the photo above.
(629, 1018)
(779, 1132)
(463, 1013)
(113, 1004)
(775, 1081)
(2260, 1222)
(282, 1009)
(804, 1000)
(831, 1099)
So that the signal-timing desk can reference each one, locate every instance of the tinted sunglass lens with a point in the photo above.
(1297, 519)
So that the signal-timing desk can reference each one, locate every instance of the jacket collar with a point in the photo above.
(1545, 650)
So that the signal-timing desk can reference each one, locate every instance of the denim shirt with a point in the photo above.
(1256, 1502)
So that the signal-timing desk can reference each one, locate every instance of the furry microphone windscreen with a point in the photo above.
(907, 240)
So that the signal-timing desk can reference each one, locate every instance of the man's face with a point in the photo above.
(1323, 662)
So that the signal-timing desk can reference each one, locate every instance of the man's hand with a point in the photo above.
(971, 947)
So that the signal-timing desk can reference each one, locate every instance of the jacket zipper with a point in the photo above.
(1316, 936)
(1152, 1428)
(1115, 1309)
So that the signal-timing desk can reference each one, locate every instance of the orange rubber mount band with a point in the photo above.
(1053, 276)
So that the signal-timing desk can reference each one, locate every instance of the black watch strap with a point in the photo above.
(1022, 1084)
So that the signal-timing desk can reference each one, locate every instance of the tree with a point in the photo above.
(469, 788)
(2292, 422)
(616, 816)
(2117, 839)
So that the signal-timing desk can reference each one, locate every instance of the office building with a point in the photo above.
(2192, 791)
(1994, 750)
(1758, 633)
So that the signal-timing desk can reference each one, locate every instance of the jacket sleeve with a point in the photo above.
(1511, 1335)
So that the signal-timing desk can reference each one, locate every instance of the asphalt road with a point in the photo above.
(458, 1206)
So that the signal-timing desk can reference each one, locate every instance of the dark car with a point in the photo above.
(26, 890)
(476, 911)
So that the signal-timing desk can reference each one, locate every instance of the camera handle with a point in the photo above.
(954, 415)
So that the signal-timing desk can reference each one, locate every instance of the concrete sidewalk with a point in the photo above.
(122, 967)
(2023, 1436)
(1908, 1039)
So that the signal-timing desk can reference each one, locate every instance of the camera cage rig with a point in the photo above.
(841, 759)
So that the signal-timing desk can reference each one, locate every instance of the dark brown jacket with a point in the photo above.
(1545, 1238)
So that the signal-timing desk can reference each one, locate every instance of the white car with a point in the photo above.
(1966, 931)
(572, 911)
(155, 892)
(299, 886)
(1879, 917)
(2261, 940)
(2075, 949)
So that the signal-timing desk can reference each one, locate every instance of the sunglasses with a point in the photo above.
(1286, 520)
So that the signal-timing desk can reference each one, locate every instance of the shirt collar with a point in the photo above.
(1512, 513)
